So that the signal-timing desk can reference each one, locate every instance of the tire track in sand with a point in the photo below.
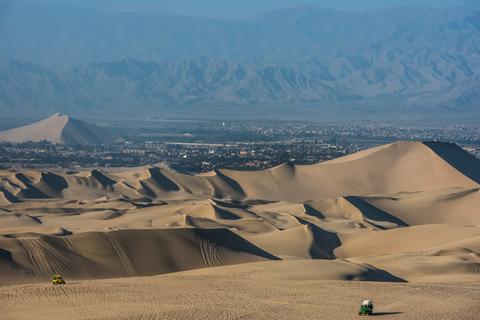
(211, 254)
(44, 258)
(122, 256)
(87, 267)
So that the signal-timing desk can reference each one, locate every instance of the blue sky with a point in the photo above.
(236, 8)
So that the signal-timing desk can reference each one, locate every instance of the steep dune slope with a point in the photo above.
(49, 129)
(454, 155)
(59, 128)
(453, 205)
(129, 252)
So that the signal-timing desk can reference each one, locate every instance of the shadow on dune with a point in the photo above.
(373, 213)
(225, 214)
(50, 185)
(235, 204)
(162, 181)
(379, 314)
(102, 178)
(309, 210)
(54, 181)
(379, 275)
(146, 189)
(461, 160)
(230, 240)
(234, 185)
(31, 192)
(8, 196)
(324, 242)
(5, 254)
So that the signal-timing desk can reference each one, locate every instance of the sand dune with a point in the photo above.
(452, 206)
(409, 239)
(59, 128)
(381, 170)
(401, 212)
(117, 254)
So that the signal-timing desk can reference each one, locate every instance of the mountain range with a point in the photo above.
(404, 59)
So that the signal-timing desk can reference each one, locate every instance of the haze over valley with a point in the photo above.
(397, 61)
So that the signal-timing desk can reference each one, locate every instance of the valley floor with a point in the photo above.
(246, 291)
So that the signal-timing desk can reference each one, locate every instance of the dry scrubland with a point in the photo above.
(284, 242)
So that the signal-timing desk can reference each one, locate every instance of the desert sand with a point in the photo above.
(249, 291)
(61, 129)
(399, 224)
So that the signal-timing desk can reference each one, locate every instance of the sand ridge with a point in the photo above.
(61, 129)
(403, 212)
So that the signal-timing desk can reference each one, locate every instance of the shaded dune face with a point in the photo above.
(129, 252)
(461, 161)
(406, 211)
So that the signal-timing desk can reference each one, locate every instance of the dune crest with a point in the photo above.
(60, 129)
(406, 211)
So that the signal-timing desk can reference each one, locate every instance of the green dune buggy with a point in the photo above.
(366, 308)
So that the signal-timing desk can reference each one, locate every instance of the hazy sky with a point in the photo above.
(235, 8)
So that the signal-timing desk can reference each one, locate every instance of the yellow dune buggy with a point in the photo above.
(57, 279)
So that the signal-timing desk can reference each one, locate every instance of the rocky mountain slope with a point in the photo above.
(412, 58)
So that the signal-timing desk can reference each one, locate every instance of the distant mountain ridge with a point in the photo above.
(406, 57)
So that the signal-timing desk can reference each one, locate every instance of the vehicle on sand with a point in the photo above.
(366, 308)
(57, 279)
